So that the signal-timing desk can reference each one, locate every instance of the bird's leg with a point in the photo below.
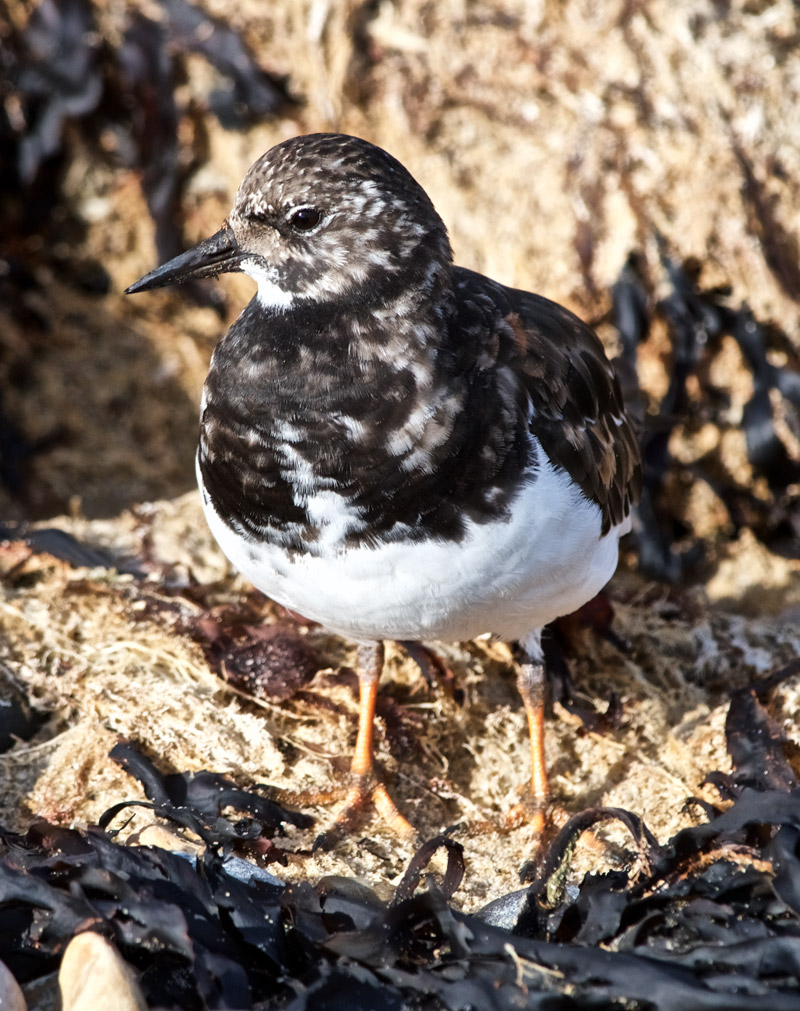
(365, 787)
(531, 685)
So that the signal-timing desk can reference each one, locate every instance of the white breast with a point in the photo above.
(507, 577)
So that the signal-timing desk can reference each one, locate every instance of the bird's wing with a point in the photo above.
(577, 410)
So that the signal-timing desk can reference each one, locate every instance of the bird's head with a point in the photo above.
(321, 218)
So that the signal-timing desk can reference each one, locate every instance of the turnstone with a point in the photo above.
(396, 447)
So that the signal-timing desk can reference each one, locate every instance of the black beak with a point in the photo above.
(219, 254)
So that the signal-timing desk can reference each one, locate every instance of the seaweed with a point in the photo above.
(709, 920)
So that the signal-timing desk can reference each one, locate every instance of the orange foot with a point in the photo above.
(366, 790)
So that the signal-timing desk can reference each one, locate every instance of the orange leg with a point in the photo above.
(366, 788)
(531, 685)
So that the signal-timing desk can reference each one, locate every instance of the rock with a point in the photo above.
(93, 975)
(11, 998)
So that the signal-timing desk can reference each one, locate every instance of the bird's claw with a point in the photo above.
(366, 791)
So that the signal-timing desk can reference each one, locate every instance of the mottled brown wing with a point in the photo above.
(578, 411)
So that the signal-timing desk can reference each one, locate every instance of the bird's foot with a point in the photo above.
(544, 819)
(531, 811)
(365, 791)
(540, 816)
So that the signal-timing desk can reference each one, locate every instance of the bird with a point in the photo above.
(397, 447)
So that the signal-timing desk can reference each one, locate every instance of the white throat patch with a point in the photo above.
(270, 294)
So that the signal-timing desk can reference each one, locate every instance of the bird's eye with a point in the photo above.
(305, 218)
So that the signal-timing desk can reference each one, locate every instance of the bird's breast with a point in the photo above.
(507, 576)
(393, 463)
(359, 428)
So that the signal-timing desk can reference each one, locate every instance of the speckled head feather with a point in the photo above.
(327, 216)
